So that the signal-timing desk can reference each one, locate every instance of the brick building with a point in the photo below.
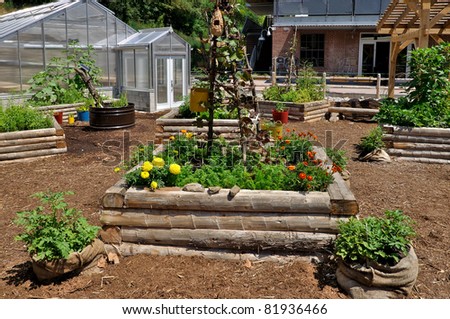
(337, 36)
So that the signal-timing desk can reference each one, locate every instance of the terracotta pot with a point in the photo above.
(282, 116)
(59, 117)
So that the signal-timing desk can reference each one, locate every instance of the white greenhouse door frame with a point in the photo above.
(367, 60)
(170, 82)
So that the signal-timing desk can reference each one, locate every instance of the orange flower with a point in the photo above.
(309, 177)
(288, 130)
(282, 148)
(288, 141)
(291, 167)
(305, 163)
(280, 137)
(302, 175)
(310, 154)
(183, 131)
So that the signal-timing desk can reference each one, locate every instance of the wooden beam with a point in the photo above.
(392, 67)
(405, 36)
(400, 19)
(424, 23)
(405, 44)
(437, 38)
(386, 15)
(439, 16)
(413, 5)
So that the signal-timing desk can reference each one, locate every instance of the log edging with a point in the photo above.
(23, 145)
(423, 144)
(305, 112)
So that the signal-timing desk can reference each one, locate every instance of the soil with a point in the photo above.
(420, 190)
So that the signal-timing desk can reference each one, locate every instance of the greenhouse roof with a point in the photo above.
(14, 21)
(146, 37)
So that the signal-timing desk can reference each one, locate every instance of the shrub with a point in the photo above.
(54, 230)
(21, 118)
(383, 240)
(372, 141)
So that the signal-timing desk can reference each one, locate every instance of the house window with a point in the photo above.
(312, 48)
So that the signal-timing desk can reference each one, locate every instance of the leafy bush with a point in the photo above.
(428, 93)
(21, 118)
(383, 240)
(372, 141)
(338, 158)
(54, 231)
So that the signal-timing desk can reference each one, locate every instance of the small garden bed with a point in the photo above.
(306, 112)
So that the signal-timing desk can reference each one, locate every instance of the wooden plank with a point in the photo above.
(422, 146)
(131, 249)
(342, 200)
(353, 110)
(34, 153)
(246, 200)
(166, 219)
(28, 141)
(418, 153)
(194, 129)
(114, 196)
(30, 147)
(422, 131)
(27, 134)
(423, 160)
(187, 123)
(229, 239)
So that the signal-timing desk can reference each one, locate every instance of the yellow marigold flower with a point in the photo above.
(172, 138)
(147, 166)
(158, 161)
(154, 185)
(183, 131)
(189, 135)
(116, 169)
(175, 169)
(145, 174)
(175, 152)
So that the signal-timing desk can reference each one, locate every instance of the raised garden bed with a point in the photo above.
(18, 146)
(66, 109)
(306, 112)
(168, 125)
(173, 221)
(425, 144)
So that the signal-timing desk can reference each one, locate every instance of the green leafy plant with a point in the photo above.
(428, 93)
(280, 107)
(121, 102)
(20, 118)
(338, 157)
(53, 230)
(372, 141)
(59, 83)
(384, 240)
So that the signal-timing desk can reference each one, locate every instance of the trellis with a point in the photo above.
(413, 21)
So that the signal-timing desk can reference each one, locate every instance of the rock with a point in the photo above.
(214, 190)
(233, 191)
(193, 187)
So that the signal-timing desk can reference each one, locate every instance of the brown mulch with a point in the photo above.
(420, 190)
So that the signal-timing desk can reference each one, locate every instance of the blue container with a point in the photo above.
(83, 116)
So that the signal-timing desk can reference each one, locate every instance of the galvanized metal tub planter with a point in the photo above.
(108, 118)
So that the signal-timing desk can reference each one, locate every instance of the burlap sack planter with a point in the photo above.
(376, 281)
(75, 262)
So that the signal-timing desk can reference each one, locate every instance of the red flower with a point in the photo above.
(302, 175)
(310, 178)
(288, 130)
(305, 163)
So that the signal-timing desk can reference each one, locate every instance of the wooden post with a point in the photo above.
(378, 85)
(424, 24)
(392, 68)
(324, 84)
(274, 71)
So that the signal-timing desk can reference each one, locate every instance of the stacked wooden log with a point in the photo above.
(424, 144)
(16, 146)
(354, 109)
(168, 125)
(305, 112)
(173, 221)
(67, 109)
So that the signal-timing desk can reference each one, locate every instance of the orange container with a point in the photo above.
(199, 98)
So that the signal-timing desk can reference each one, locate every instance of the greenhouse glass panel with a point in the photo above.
(31, 52)
(177, 45)
(101, 56)
(315, 7)
(121, 31)
(340, 7)
(55, 37)
(142, 78)
(161, 78)
(77, 24)
(290, 7)
(128, 69)
(162, 45)
(9, 65)
(112, 42)
(97, 27)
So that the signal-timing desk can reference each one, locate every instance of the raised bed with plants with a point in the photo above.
(417, 126)
(206, 210)
(28, 133)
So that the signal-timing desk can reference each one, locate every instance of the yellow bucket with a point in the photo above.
(199, 98)
(71, 119)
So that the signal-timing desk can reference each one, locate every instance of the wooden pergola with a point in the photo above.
(413, 21)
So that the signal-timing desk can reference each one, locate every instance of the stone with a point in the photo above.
(193, 187)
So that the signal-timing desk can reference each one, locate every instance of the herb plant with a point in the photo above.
(21, 118)
(372, 141)
(53, 231)
(383, 240)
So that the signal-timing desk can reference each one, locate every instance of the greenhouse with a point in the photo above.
(155, 69)
(29, 39)
(155, 63)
